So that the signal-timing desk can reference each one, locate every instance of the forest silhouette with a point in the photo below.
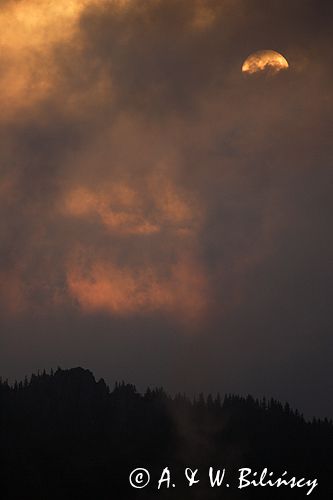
(65, 435)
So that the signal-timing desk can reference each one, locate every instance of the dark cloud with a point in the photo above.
(165, 219)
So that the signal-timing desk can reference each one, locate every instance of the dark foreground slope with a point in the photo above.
(66, 436)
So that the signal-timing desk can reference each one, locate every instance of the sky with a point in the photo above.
(164, 218)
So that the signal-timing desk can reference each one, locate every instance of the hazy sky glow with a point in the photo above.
(164, 219)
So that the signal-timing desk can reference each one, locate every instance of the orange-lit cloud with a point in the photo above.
(118, 208)
(31, 33)
(180, 289)
(149, 209)
(28, 31)
(177, 286)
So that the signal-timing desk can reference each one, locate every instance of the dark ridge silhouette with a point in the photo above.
(65, 435)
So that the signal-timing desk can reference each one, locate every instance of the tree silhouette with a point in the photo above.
(66, 435)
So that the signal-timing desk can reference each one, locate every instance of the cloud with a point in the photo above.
(101, 286)
(142, 175)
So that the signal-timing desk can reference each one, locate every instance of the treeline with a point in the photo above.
(66, 435)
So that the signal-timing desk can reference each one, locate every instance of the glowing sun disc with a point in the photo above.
(265, 60)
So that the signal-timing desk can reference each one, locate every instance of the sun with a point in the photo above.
(269, 61)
